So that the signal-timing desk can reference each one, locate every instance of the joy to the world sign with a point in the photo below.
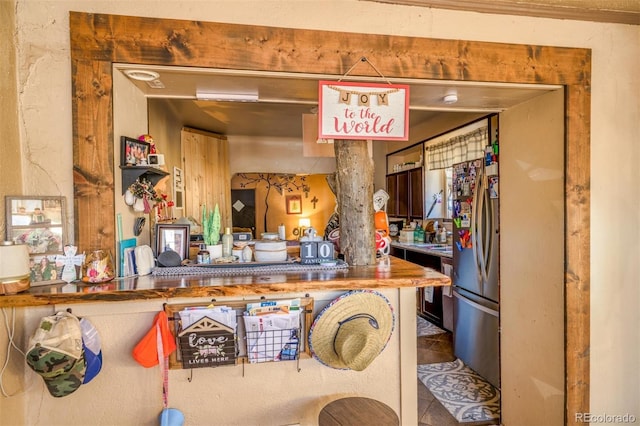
(363, 111)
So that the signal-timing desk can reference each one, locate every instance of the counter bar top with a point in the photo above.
(426, 248)
(389, 272)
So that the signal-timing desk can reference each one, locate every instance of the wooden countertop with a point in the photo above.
(390, 272)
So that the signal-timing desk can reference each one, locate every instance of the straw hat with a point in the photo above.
(352, 330)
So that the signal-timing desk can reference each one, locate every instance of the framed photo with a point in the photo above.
(294, 204)
(38, 222)
(172, 237)
(134, 152)
(44, 270)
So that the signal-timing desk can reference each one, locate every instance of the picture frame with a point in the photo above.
(172, 236)
(45, 270)
(39, 222)
(134, 152)
(294, 204)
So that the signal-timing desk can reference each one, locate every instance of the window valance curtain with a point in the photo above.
(466, 147)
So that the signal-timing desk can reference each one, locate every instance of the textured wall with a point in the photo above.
(44, 108)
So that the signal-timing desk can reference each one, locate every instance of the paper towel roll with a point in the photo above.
(448, 271)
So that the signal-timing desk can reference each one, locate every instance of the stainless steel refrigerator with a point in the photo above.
(476, 265)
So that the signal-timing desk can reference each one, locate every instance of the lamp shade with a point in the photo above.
(14, 268)
(305, 222)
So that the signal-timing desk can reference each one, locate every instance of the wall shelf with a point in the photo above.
(131, 173)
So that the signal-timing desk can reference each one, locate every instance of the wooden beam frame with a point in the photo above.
(97, 41)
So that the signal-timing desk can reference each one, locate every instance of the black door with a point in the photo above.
(243, 209)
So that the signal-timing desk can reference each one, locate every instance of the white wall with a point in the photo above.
(129, 119)
(44, 106)
(531, 186)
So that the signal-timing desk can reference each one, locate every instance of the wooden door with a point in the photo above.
(207, 181)
(416, 197)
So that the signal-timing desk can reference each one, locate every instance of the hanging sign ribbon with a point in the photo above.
(363, 111)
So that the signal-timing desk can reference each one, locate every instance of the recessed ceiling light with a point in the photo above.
(451, 97)
(142, 75)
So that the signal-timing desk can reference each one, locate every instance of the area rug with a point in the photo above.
(425, 328)
(466, 395)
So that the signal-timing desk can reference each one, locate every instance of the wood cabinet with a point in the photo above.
(446, 267)
(406, 198)
(207, 179)
(416, 193)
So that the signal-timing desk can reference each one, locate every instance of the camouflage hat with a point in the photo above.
(56, 353)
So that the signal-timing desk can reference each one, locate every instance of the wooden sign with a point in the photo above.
(316, 251)
(363, 111)
(207, 343)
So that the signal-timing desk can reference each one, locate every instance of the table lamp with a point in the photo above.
(303, 224)
(14, 268)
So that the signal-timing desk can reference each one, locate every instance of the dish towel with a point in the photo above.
(448, 271)
(428, 294)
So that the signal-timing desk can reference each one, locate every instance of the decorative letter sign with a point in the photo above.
(363, 111)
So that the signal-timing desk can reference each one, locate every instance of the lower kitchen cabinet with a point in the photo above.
(446, 267)
(429, 300)
(431, 304)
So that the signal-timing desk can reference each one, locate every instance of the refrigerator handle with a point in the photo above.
(474, 222)
(488, 229)
(480, 217)
(491, 233)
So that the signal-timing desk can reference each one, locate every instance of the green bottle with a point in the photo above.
(418, 234)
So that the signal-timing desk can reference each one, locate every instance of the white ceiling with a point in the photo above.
(283, 98)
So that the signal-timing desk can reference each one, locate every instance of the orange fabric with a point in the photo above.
(382, 223)
(146, 351)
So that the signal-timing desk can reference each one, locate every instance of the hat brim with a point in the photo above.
(94, 364)
(63, 380)
(325, 326)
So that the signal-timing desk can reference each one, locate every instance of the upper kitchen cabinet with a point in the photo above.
(405, 183)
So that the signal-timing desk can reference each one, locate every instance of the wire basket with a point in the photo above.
(273, 345)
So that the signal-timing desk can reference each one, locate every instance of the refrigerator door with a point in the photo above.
(490, 288)
(476, 334)
(485, 219)
(467, 272)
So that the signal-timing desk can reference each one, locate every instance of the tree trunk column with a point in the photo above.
(354, 170)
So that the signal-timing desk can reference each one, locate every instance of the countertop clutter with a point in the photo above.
(441, 250)
(388, 272)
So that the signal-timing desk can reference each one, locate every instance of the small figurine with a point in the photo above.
(381, 222)
(148, 139)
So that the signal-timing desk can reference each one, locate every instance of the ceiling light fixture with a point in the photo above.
(451, 97)
(227, 97)
(142, 75)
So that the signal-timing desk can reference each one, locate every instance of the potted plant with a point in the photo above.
(211, 231)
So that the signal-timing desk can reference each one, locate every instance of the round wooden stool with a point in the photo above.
(357, 411)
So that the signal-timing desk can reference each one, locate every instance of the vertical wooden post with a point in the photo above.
(354, 170)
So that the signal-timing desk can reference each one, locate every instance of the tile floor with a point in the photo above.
(432, 349)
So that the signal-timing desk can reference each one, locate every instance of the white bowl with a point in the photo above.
(270, 256)
(270, 251)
